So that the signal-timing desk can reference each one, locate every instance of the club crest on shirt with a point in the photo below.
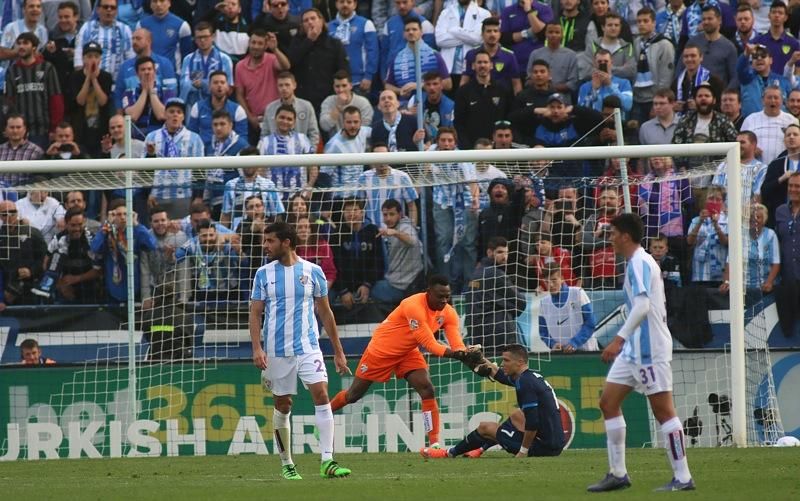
(496, 100)
(170, 33)
(363, 368)
(413, 324)
(440, 321)
(39, 75)
(303, 279)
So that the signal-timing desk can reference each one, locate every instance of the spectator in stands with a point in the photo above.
(41, 211)
(603, 83)
(668, 21)
(360, 40)
(16, 148)
(493, 303)
(233, 32)
(76, 200)
(503, 215)
(32, 89)
(279, 21)
(88, 100)
(313, 247)
(793, 103)
(200, 65)
(622, 60)
(556, 125)
(575, 21)
(172, 35)
(561, 218)
(505, 69)
(315, 57)
(745, 29)
(31, 353)
(456, 202)
(503, 136)
(112, 35)
(64, 146)
(404, 266)
(708, 238)
(787, 215)
(656, 64)
(358, 255)
(561, 61)
(693, 76)
(604, 270)
(285, 140)
(660, 128)
(755, 75)
(397, 130)
(402, 77)
(458, 30)
(30, 22)
(763, 255)
(731, 106)
(251, 233)
(353, 138)
(208, 267)
(144, 102)
(704, 124)
(306, 119)
(566, 319)
(769, 124)
(480, 103)
(127, 81)
(256, 82)
(226, 142)
(201, 113)
(536, 93)
(522, 26)
(131, 12)
(331, 119)
(777, 37)
(382, 183)
(60, 49)
(547, 254)
(111, 245)
(671, 268)
(113, 144)
(198, 212)
(779, 172)
(692, 20)
(22, 258)
(392, 35)
(719, 53)
(239, 189)
(73, 269)
(438, 110)
(485, 173)
(752, 170)
(172, 188)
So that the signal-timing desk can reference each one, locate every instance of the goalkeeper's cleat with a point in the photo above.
(610, 483)
(435, 445)
(290, 473)
(474, 453)
(331, 469)
(676, 485)
(433, 453)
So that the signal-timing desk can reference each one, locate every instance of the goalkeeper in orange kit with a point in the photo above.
(394, 349)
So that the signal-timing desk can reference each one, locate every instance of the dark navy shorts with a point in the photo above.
(510, 439)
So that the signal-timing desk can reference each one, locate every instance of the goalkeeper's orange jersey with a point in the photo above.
(412, 324)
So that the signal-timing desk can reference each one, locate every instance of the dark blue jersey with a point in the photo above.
(537, 400)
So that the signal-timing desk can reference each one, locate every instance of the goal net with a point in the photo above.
(522, 235)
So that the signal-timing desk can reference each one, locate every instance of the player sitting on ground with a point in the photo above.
(534, 429)
(394, 349)
(641, 352)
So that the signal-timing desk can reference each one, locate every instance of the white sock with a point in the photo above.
(676, 449)
(615, 443)
(324, 417)
(281, 423)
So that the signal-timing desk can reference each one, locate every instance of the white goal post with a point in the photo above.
(730, 151)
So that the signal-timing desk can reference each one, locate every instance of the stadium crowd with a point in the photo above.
(278, 77)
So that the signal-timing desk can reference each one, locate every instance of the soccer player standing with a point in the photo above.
(641, 352)
(394, 349)
(290, 290)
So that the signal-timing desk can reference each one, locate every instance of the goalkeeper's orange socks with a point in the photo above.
(430, 417)
(339, 401)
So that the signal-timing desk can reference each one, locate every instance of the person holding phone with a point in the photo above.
(604, 84)
(708, 238)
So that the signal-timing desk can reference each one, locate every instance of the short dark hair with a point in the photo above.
(612, 101)
(218, 72)
(446, 130)
(691, 45)
(482, 141)
(223, 113)
(28, 37)
(284, 231)
(665, 92)
(430, 75)
(438, 279)
(659, 238)
(551, 269)
(259, 32)
(144, 60)
(72, 212)
(631, 225)
(480, 51)
(412, 19)
(733, 92)
(249, 151)
(16, 116)
(206, 224)
(204, 25)
(646, 11)
(540, 62)
(496, 242)
(712, 8)
(286, 107)
(379, 144)
(353, 201)
(69, 5)
(517, 351)
(116, 204)
(778, 4)
(157, 209)
(490, 21)
(392, 204)
(350, 110)
(286, 74)
(29, 344)
(750, 135)
(199, 207)
(342, 75)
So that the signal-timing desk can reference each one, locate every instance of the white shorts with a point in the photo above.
(280, 376)
(647, 379)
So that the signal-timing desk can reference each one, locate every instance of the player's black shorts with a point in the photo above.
(510, 439)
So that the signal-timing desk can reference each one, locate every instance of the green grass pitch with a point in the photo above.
(729, 474)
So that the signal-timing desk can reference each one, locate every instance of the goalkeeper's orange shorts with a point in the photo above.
(380, 368)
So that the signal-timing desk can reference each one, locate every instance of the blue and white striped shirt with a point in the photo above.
(709, 255)
(290, 327)
(753, 173)
(286, 179)
(173, 184)
(9, 40)
(376, 190)
(448, 179)
(238, 190)
(762, 253)
(197, 67)
(346, 175)
(115, 40)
